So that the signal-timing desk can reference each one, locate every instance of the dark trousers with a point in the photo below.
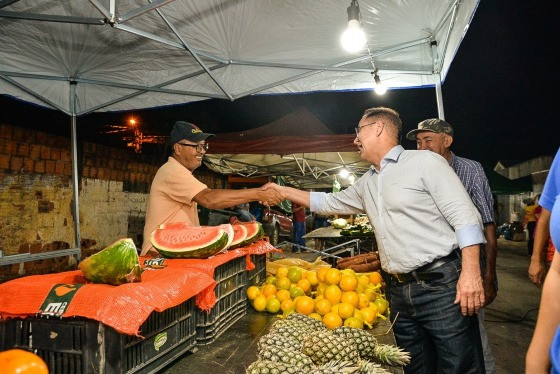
(531, 225)
(431, 327)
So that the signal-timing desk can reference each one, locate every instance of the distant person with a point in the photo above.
(437, 135)
(428, 233)
(298, 220)
(530, 222)
(175, 191)
(546, 338)
(243, 214)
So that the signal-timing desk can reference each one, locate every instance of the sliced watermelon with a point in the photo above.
(177, 241)
(240, 232)
(173, 225)
(254, 232)
(229, 230)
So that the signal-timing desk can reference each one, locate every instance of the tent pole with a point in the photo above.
(437, 79)
(74, 150)
(439, 97)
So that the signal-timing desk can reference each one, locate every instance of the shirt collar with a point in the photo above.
(391, 156)
(453, 158)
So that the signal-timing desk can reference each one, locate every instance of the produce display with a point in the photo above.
(362, 263)
(117, 264)
(253, 232)
(301, 344)
(333, 297)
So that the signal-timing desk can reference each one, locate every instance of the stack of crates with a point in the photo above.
(231, 279)
(80, 345)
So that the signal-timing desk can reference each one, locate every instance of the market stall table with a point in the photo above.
(327, 237)
(237, 348)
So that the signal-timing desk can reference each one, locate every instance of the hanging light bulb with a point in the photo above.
(344, 173)
(379, 87)
(353, 38)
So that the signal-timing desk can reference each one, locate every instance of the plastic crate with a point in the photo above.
(257, 276)
(231, 279)
(81, 345)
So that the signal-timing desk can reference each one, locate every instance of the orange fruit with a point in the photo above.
(304, 274)
(312, 278)
(334, 308)
(363, 280)
(350, 297)
(283, 283)
(375, 277)
(259, 303)
(348, 282)
(305, 305)
(345, 310)
(358, 314)
(271, 296)
(271, 279)
(320, 289)
(321, 274)
(332, 320)
(382, 305)
(373, 307)
(294, 274)
(282, 272)
(363, 300)
(323, 306)
(316, 316)
(253, 292)
(283, 295)
(287, 305)
(273, 305)
(333, 294)
(332, 276)
(269, 289)
(296, 291)
(369, 315)
(304, 285)
(354, 322)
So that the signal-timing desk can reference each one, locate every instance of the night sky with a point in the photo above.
(500, 94)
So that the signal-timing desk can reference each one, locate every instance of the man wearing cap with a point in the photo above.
(422, 217)
(436, 135)
(175, 192)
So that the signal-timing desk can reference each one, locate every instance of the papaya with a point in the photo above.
(117, 264)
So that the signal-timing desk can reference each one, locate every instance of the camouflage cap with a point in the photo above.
(434, 125)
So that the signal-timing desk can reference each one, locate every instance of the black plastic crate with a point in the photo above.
(258, 275)
(231, 279)
(78, 345)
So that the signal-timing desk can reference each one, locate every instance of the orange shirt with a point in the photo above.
(171, 194)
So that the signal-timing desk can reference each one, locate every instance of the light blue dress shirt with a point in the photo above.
(416, 204)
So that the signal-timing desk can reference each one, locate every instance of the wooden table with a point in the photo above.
(237, 347)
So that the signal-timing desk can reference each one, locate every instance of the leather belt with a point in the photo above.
(425, 272)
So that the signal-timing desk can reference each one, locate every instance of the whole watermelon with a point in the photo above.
(117, 264)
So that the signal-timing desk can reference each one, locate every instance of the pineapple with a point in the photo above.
(323, 347)
(285, 355)
(391, 355)
(270, 367)
(279, 341)
(367, 367)
(369, 349)
(336, 367)
(311, 322)
(363, 340)
(295, 332)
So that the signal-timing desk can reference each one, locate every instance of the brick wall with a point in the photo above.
(36, 197)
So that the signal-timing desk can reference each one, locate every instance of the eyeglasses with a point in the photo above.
(199, 147)
(359, 128)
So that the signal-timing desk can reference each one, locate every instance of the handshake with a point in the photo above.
(271, 194)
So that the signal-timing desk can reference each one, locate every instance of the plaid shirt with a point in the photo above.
(474, 179)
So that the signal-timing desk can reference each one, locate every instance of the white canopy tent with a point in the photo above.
(82, 56)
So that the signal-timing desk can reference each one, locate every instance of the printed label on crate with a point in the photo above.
(58, 298)
(155, 263)
(160, 340)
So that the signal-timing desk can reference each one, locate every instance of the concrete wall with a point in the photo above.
(36, 197)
